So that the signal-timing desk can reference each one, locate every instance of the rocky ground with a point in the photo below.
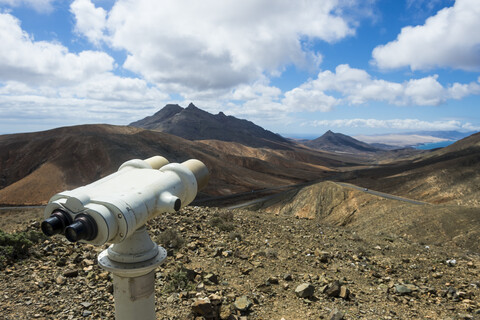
(252, 265)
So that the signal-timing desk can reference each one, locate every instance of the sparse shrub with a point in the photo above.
(223, 221)
(170, 239)
(188, 220)
(356, 237)
(271, 253)
(226, 215)
(235, 236)
(14, 246)
(178, 281)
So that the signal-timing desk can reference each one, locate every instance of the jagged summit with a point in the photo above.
(337, 142)
(165, 113)
(193, 123)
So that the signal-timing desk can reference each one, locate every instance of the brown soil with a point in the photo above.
(368, 213)
(385, 275)
(35, 166)
(448, 175)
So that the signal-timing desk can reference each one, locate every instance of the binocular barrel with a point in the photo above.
(56, 223)
(112, 208)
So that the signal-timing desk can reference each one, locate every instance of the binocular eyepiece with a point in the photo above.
(112, 208)
(56, 223)
(82, 228)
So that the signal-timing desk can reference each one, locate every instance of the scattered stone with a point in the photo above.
(227, 253)
(211, 278)
(215, 299)
(272, 280)
(86, 313)
(89, 262)
(333, 290)
(179, 256)
(246, 271)
(451, 262)
(264, 287)
(242, 303)
(288, 277)
(172, 298)
(336, 315)
(322, 255)
(76, 258)
(218, 252)
(62, 262)
(230, 297)
(60, 280)
(344, 293)
(257, 264)
(305, 290)
(404, 289)
(191, 274)
(202, 306)
(29, 288)
(225, 312)
(70, 273)
(192, 245)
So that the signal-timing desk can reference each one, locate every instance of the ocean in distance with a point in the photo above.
(434, 145)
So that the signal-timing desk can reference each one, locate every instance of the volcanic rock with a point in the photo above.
(305, 290)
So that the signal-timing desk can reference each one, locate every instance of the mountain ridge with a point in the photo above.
(193, 123)
(34, 166)
(338, 142)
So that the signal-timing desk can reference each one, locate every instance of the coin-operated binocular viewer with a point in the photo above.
(114, 210)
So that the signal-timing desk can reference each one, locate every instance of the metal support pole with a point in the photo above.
(134, 297)
(132, 263)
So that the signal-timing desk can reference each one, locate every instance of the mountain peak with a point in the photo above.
(192, 106)
(166, 112)
(193, 123)
(329, 133)
(171, 106)
(338, 142)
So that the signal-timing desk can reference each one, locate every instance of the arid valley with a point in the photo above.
(337, 229)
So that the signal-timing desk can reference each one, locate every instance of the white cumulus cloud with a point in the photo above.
(44, 81)
(42, 6)
(209, 44)
(90, 20)
(40, 62)
(356, 86)
(448, 39)
(403, 124)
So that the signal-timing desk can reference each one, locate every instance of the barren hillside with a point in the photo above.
(448, 175)
(35, 166)
(331, 203)
(337, 142)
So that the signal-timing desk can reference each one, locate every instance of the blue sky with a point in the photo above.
(293, 67)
